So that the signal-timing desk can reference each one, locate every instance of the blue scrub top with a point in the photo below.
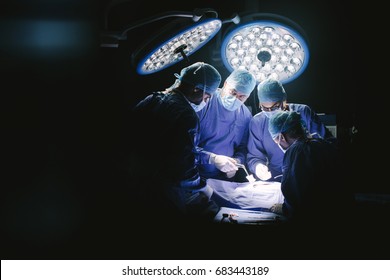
(222, 132)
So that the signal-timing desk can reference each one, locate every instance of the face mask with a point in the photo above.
(230, 102)
(268, 114)
(280, 138)
(199, 107)
(281, 148)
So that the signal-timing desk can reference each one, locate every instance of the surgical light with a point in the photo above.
(267, 48)
(170, 44)
(178, 47)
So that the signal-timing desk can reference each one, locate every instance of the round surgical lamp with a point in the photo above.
(267, 45)
(170, 46)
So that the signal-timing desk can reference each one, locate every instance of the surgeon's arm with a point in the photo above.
(203, 155)
(314, 124)
(256, 153)
(241, 150)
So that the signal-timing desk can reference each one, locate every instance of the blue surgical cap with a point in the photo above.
(271, 90)
(242, 80)
(283, 121)
(201, 75)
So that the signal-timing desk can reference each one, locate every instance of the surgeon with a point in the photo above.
(164, 158)
(224, 124)
(264, 157)
(313, 184)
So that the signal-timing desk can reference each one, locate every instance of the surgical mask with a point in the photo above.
(281, 148)
(198, 107)
(269, 114)
(230, 102)
(280, 138)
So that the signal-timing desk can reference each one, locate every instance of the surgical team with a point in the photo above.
(214, 134)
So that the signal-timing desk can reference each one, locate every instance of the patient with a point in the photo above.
(312, 184)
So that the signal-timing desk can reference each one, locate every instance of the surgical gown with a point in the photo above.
(164, 158)
(263, 149)
(313, 185)
(222, 132)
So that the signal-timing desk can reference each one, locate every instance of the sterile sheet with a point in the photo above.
(256, 196)
(250, 217)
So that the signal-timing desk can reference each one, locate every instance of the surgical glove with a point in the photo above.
(230, 174)
(223, 163)
(277, 208)
(262, 172)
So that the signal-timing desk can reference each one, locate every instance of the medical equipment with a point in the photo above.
(250, 177)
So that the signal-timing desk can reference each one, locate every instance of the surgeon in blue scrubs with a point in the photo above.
(264, 157)
(313, 184)
(224, 126)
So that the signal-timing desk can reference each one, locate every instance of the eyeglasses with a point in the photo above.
(276, 106)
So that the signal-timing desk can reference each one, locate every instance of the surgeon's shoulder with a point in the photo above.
(184, 114)
(304, 110)
(155, 96)
(259, 117)
(298, 107)
(247, 113)
(257, 121)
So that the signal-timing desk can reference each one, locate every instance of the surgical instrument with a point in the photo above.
(250, 177)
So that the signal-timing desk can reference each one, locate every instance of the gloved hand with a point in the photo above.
(277, 208)
(262, 172)
(223, 163)
(230, 174)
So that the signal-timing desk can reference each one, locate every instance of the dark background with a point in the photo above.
(65, 99)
